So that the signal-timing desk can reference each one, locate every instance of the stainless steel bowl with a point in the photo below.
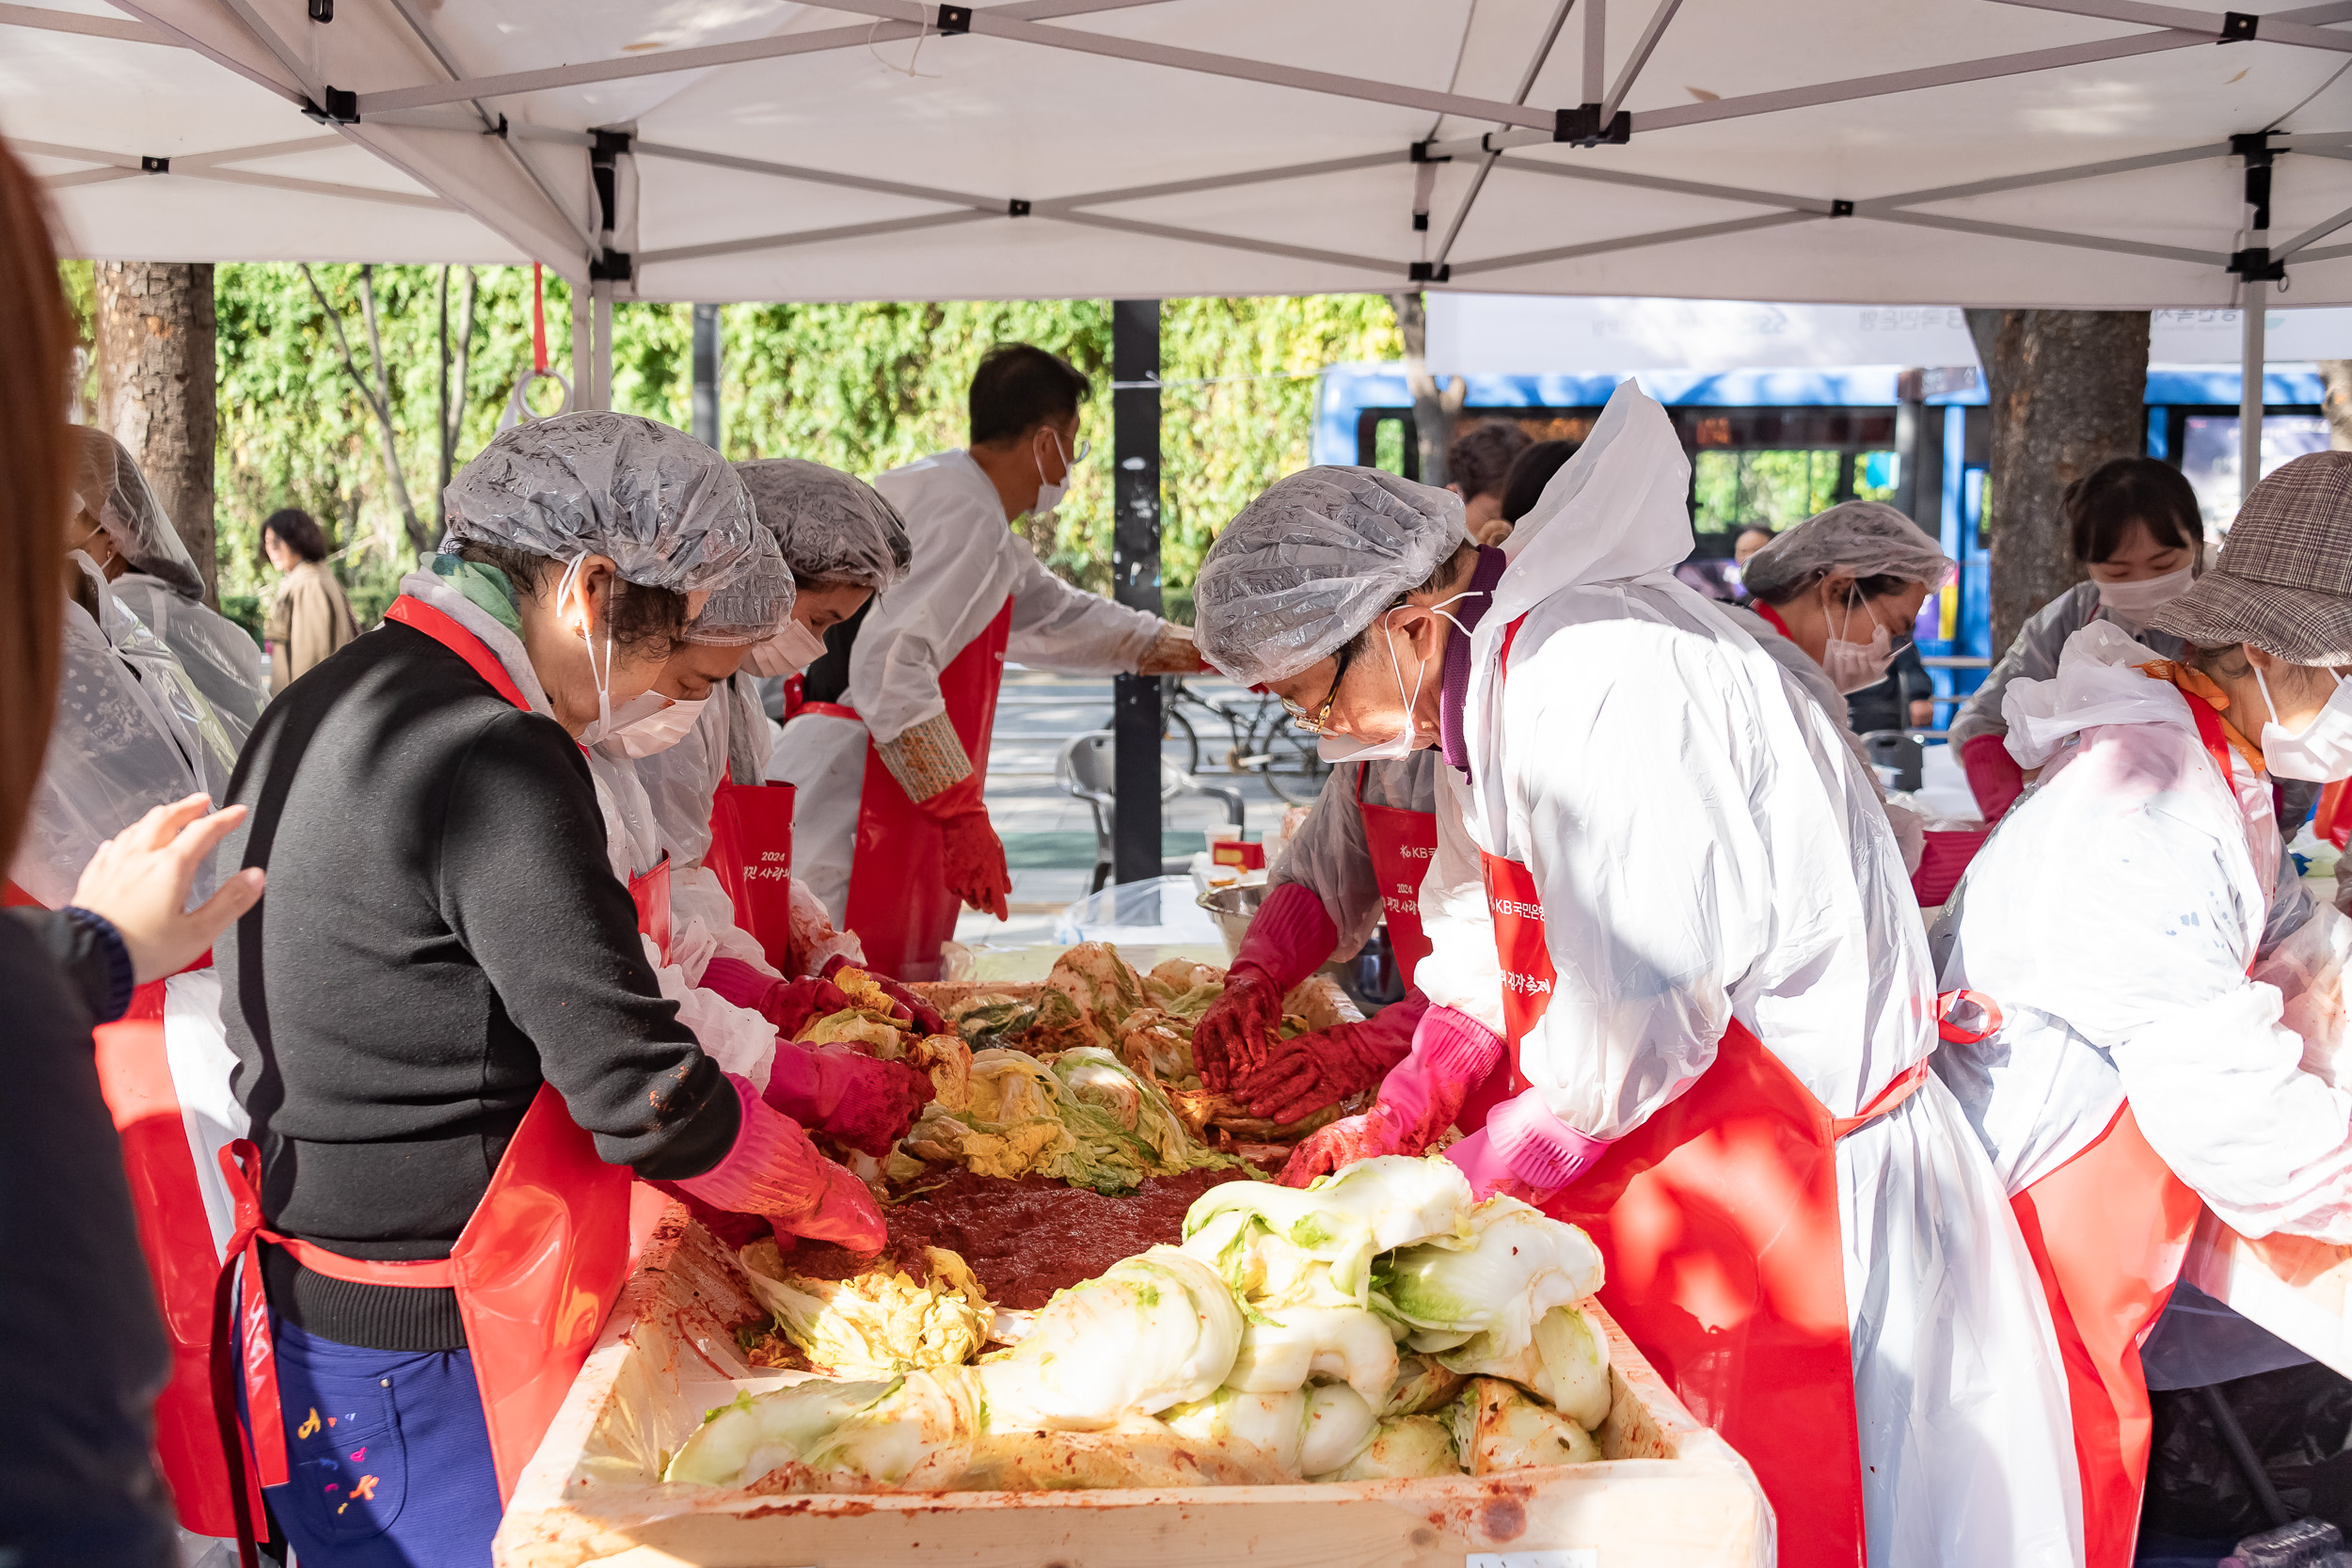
(1234, 908)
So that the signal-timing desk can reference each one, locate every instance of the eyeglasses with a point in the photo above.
(1313, 723)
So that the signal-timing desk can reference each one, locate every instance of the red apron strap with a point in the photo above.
(419, 616)
(1898, 1089)
(2209, 730)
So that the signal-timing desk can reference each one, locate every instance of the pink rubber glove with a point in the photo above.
(862, 1100)
(774, 1170)
(1288, 937)
(1993, 776)
(915, 1010)
(1452, 1053)
(1321, 1068)
(1524, 1152)
(789, 1004)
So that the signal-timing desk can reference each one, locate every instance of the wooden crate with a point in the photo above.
(1670, 1493)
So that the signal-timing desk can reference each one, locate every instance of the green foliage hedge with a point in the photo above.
(861, 386)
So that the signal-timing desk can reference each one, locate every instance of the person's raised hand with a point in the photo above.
(140, 879)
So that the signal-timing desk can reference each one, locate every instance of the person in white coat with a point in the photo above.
(2148, 1007)
(842, 544)
(1701, 1021)
(119, 523)
(911, 683)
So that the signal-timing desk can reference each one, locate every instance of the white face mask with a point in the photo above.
(1333, 748)
(1852, 666)
(2131, 601)
(603, 724)
(792, 649)
(2322, 753)
(1050, 496)
(641, 734)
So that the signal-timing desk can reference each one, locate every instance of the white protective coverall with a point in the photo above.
(731, 738)
(220, 656)
(131, 732)
(967, 562)
(1709, 849)
(2113, 919)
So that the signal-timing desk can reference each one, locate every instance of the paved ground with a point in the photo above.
(1049, 835)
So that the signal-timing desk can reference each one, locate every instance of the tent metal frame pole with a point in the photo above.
(2051, 236)
(1642, 48)
(513, 83)
(582, 359)
(1135, 720)
(42, 19)
(2205, 25)
(1596, 49)
(602, 366)
(1629, 242)
(997, 22)
(213, 166)
(812, 236)
(1228, 241)
(448, 61)
(2319, 230)
(2249, 395)
(1486, 164)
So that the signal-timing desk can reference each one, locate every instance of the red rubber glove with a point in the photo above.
(774, 1170)
(971, 855)
(1452, 1053)
(789, 1004)
(1318, 1069)
(1993, 776)
(917, 1011)
(862, 1100)
(1288, 937)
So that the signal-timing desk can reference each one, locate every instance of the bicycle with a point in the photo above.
(1260, 740)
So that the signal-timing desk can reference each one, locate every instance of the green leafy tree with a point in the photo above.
(863, 388)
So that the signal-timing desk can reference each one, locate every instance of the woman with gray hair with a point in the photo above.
(450, 1039)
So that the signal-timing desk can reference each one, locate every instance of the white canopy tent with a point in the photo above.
(2054, 153)
(151, 150)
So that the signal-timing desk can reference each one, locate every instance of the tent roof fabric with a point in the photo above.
(2050, 152)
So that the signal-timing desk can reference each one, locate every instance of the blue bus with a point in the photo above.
(1770, 447)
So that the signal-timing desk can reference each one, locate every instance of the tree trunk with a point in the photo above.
(2069, 391)
(2336, 403)
(155, 330)
(1433, 409)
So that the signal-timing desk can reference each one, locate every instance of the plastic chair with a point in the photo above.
(1084, 769)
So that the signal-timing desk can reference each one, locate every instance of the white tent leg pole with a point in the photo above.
(2249, 397)
(603, 362)
(579, 347)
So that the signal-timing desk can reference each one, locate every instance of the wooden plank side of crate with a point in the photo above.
(1672, 1495)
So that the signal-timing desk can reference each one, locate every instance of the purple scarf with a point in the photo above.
(1454, 689)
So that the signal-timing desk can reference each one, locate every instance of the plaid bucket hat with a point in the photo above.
(2285, 580)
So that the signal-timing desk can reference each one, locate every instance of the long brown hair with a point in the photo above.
(35, 345)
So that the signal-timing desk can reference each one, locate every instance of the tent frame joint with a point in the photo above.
(2256, 265)
(149, 164)
(954, 20)
(2239, 28)
(336, 106)
(1582, 127)
(1840, 208)
(1428, 272)
(1419, 153)
(1017, 207)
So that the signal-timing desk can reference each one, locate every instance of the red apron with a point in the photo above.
(2108, 1231)
(751, 854)
(535, 1270)
(1402, 843)
(175, 1240)
(1718, 1216)
(899, 903)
